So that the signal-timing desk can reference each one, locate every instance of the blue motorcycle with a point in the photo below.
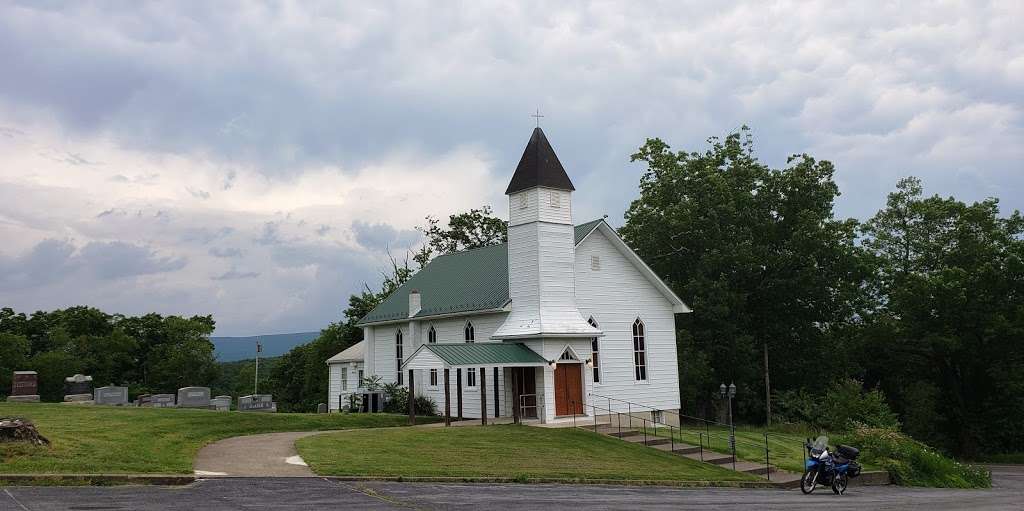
(824, 468)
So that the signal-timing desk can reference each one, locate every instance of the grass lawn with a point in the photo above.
(98, 439)
(785, 448)
(499, 451)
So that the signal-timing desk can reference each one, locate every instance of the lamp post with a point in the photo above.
(730, 392)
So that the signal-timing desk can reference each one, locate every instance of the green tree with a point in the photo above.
(950, 319)
(758, 253)
(14, 352)
(467, 230)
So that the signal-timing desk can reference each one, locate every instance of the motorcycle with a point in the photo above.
(824, 468)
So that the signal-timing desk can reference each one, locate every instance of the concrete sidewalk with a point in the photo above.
(266, 455)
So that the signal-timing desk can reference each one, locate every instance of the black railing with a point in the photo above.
(706, 439)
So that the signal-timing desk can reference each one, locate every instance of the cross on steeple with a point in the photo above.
(537, 116)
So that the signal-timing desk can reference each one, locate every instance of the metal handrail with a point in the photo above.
(631, 404)
(672, 434)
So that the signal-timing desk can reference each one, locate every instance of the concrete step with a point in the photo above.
(677, 448)
(712, 457)
(784, 479)
(752, 468)
(624, 433)
(648, 440)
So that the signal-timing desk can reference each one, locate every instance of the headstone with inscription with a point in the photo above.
(257, 403)
(24, 387)
(194, 397)
(161, 400)
(111, 395)
(221, 403)
(78, 389)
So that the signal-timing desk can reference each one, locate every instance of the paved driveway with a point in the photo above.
(317, 493)
(266, 455)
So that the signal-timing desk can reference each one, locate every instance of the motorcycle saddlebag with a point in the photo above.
(854, 469)
(848, 452)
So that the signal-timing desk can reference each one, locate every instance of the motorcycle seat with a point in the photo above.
(839, 460)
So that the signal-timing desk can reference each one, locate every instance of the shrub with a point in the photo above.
(844, 404)
(396, 400)
(911, 463)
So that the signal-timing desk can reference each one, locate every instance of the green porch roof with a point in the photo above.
(485, 353)
(472, 280)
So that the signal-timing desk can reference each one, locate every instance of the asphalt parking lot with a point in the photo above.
(318, 493)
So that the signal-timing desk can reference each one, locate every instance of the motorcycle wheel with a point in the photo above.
(839, 484)
(809, 481)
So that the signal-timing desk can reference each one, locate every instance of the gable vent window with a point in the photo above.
(639, 351)
(524, 201)
(398, 356)
(595, 263)
(556, 199)
(470, 334)
(432, 335)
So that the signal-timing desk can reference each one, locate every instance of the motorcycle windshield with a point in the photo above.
(820, 443)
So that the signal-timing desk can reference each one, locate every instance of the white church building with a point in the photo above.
(559, 320)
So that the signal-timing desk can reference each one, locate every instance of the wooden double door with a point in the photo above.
(568, 388)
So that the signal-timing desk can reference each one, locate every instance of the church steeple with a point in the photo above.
(539, 166)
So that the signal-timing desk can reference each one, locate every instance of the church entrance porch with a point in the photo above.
(524, 385)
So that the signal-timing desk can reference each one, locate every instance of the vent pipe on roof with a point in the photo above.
(414, 303)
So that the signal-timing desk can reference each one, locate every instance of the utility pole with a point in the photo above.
(256, 380)
(767, 389)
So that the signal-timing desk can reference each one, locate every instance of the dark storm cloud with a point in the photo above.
(52, 260)
(116, 259)
(380, 236)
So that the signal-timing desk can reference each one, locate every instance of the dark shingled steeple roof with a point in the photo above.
(539, 166)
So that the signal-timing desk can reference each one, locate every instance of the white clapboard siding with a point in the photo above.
(615, 295)
(334, 386)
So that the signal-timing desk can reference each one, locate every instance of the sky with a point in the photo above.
(258, 162)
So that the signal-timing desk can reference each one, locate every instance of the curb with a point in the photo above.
(555, 480)
(94, 479)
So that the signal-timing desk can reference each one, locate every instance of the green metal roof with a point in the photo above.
(472, 280)
(485, 353)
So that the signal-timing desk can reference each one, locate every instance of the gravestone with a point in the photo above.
(145, 400)
(161, 400)
(194, 397)
(321, 408)
(78, 389)
(257, 403)
(24, 387)
(221, 403)
(111, 395)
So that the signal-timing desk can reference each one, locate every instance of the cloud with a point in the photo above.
(225, 252)
(234, 274)
(52, 261)
(299, 141)
(116, 259)
(381, 236)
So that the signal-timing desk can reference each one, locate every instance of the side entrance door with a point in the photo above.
(568, 388)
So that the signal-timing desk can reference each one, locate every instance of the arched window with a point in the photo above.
(594, 352)
(432, 335)
(398, 355)
(470, 334)
(639, 351)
